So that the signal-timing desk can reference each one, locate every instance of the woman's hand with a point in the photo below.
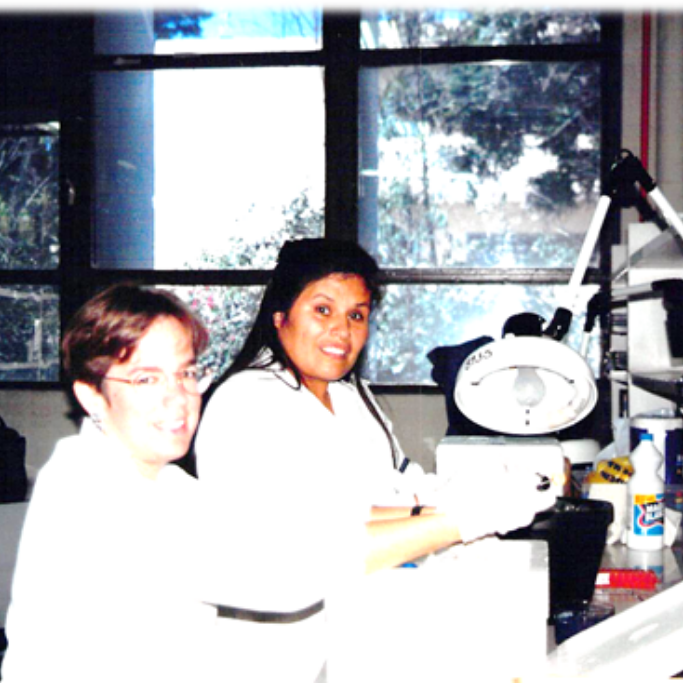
(506, 499)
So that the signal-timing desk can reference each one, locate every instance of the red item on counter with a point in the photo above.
(626, 578)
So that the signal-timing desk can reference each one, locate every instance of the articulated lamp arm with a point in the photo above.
(625, 173)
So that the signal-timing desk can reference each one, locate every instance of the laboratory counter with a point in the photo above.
(480, 612)
(471, 612)
(643, 637)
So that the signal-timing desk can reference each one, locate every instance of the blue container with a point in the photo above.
(570, 622)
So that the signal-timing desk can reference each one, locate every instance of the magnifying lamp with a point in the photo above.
(525, 385)
(530, 382)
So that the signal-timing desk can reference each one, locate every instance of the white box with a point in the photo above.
(470, 456)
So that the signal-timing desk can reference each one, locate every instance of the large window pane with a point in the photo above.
(209, 168)
(205, 31)
(479, 165)
(392, 29)
(29, 197)
(414, 319)
(29, 344)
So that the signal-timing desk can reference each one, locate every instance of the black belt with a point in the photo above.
(270, 617)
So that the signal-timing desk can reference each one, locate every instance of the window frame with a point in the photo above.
(341, 57)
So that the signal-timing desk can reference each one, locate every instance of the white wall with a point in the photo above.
(669, 105)
(664, 160)
(41, 416)
(419, 422)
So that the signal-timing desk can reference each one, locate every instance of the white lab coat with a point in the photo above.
(289, 487)
(105, 583)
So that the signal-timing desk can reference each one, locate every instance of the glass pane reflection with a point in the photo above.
(29, 196)
(410, 322)
(228, 312)
(395, 29)
(29, 344)
(479, 165)
(207, 31)
(187, 179)
(414, 319)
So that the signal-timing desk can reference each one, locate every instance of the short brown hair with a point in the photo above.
(108, 328)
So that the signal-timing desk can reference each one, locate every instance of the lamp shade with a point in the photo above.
(525, 385)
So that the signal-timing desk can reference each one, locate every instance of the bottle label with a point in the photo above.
(648, 514)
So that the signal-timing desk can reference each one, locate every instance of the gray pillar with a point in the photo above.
(124, 147)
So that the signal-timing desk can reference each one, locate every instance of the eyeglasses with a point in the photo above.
(194, 381)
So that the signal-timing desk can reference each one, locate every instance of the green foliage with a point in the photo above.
(29, 342)
(495, 107)
(451, 27)
(29, 198)
(412, 320)
(242, 251)
(29, 222)
(230, 311)
(449, 134)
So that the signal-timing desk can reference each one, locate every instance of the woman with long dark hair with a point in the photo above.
(299, 470)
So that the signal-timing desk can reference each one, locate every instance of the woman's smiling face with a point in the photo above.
(326, 329)
(158, 429)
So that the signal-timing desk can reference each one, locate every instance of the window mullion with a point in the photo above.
(341, 45)
(76, 173)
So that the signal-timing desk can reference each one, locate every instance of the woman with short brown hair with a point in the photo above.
(105, 583)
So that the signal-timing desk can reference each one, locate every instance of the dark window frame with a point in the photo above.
(341, 57)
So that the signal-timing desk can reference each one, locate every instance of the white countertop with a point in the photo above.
(642, 641)
(476, 611)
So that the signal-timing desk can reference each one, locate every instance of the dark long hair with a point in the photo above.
(299, 263)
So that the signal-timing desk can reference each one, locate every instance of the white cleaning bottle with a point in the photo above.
(646, 497)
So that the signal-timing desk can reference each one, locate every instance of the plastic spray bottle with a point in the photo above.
(646, 497)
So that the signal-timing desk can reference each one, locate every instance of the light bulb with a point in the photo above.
(528, 388)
